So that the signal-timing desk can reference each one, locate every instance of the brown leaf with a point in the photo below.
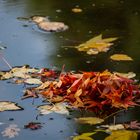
(33, 125)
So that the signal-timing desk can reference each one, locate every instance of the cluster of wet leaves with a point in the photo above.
(96, 91)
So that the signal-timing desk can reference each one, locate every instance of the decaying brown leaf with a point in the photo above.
(96, 45)
(33, 125)
(121, 57)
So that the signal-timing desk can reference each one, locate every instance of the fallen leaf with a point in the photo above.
(84, 136)
(2, 47)
(29, 93)
(33, 125)
(132, 125)
(32, 81)
(96, 45)
(44, 85)
(7, 106)
(19, 72)
(77, 10)
(122, 135)
(113, 127)
(89, 120)
(57, 108)
(126, 75)
(46, 25)
(121, 57)
(11, 131)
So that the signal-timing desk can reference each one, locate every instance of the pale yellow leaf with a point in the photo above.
(126, 75)
(121, 57)
(32, 81)
(89, 120)
(122, 135)
(6, 106)
(57, 108)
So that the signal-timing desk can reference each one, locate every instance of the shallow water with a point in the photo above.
(26, 44)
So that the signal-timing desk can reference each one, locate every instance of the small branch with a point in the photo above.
(113, 114)
(6, 62)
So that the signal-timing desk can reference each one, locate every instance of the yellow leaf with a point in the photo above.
(44, 85)
(96, 45)
(84, 136)
(77, 10)
(121, 57)
(89, 120)
(122, 135)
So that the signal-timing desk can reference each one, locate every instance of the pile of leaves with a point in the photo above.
(97, 91)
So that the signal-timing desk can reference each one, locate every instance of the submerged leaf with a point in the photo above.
(7, 106)
(132, 125)
(11, 131)
(57, 108)
(121, 57)
(77, 10)
(46, 25)
(96, 45)
(122, 135)
(84, 136)
(89, 120)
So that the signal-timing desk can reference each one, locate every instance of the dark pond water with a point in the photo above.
(28, 45)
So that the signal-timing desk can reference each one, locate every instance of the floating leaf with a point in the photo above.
(33, 125)
(132, 125)
(96, 45)
(46, 25)
(113, 127)
(57, 108)
(2, 47)
(89, 120)
(84, 136)
(19, 72)
(7, 106)
(11, 131)
(126, 75)
(29, 93)
(77, 10)
(33, 81)
(122, 135)
(121, 57)
(44, 85)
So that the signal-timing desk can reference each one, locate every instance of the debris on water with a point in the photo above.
(49, 26)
